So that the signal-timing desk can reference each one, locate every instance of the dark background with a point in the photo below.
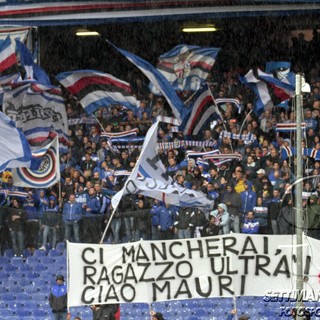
(245, 42)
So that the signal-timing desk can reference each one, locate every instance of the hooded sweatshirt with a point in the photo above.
(222, 220)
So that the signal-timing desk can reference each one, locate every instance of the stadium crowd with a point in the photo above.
(251, 195)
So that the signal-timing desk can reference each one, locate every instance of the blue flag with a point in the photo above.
(33, 71)
(158, 80)
(263, 99)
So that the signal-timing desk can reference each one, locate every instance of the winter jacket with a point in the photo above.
(51, 216)
(41, 204)
(250, 226)
(72, 212)
(261, 214)
(105, 312)
(31, 210)
(313, 213)
(58, 298)
(198, 220)
(286, 220)
(155, 221)
(82, 197)
(222, 220)
(94, 204)
(233, 201)
(183, 218)
(274, 206)
(104, 202)
(140, 220)
(19, 216)
(166, 217)
(248, 200)
(210, 230)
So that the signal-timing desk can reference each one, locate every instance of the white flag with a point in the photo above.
(15, 149)
(149, 178)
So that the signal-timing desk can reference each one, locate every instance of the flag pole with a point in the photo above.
(220, 115)
(245, 120)
(108, 225)
(99, 123)
(299, 207)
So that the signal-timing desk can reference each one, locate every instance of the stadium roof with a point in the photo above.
(51, 13)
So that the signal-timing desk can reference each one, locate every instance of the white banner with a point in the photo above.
(222, 266)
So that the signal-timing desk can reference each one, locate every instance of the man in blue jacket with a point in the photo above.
(248, 200)
(91, 218)
(72, 214)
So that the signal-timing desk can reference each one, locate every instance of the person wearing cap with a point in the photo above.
(261, 172)
(58, 299)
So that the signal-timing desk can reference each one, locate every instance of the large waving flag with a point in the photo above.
(281, 89)
(38, 111)
(159, 81)
(33, 70)
(187, 67)
(149, 178)
(95, 89)
(202, 111)
(8, 58)
(260, 89)
(48, 172)
(15, 149)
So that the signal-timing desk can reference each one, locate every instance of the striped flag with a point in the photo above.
(37, 110)
(223, 156)
(260, 89)
(48, 172)
(15, 149)
(124, 134)
(191, 153)
(229, 100)
(14, 193)
(187, 67)
(95, 89)
(159, 81)
(201, 112)
(281, 89)
(289, 127)
(8, 57)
